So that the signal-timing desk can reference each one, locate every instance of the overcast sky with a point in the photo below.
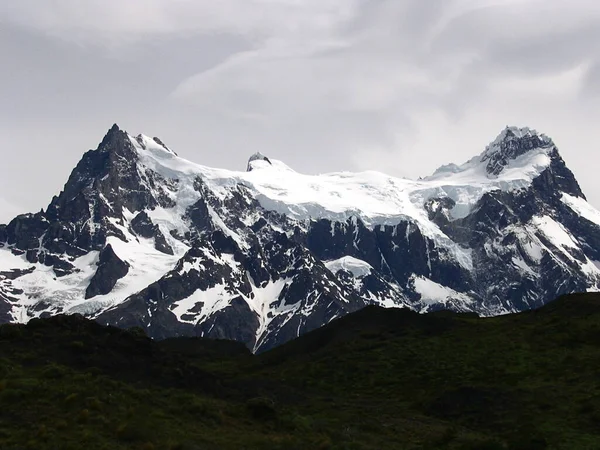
(400, 86)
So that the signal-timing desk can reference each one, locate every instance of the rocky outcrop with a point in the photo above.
(509, 145)
(142, 225)
(110, 270)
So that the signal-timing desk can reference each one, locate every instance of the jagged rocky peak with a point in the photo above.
(511, 143)
(257, 160)
(113, 136)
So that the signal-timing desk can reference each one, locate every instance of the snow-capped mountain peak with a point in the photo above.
(140, 236)
(257, 160)
(510, 144)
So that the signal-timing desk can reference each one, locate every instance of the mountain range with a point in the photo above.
(142, 237)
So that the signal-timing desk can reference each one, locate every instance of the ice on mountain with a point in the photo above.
(467, 183)
(374, 197)
(10, 261)
(357, 267)
(204, 303)
(434, 293)
(153, 145)
(554, 232)
(523, 266)
(510, 144)
(582, 208)
(162, 144)
(261, 299)
(447, 169)
(253, 161)
(534, 250)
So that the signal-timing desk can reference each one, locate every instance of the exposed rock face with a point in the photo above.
(142, 225)
(110, 270)
(511, 144)
(265, 255)
(3, 235)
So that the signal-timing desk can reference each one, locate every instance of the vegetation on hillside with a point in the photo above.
(375, 379)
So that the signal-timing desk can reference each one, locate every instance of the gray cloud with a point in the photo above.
(401, 86)
(8, 210)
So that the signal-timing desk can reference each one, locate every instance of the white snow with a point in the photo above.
(582, 208)
(43, 284)
(466, 184)
(212, 299)
(431, 292)
(8, 261)
(262, 299)
(150, 145)
(563, 241)
(374, 197)
(357, 267)
(591, 270)
(554, 231)
(534, 249)
(147, 265)
(435, 293)
(523, 266)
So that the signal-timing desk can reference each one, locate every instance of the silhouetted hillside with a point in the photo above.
(377, 378)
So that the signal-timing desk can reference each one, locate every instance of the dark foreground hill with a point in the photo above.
(374, 379)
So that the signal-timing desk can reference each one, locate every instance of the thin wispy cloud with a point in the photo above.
(400, 86)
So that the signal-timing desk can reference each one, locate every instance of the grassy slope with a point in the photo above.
(374, 379)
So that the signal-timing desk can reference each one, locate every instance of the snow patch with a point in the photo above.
(534, 250)
(466, 184)
(207, 302)
(554, 232)
(146, 265)
(435, 293)
(518, 262)
(261, 302)
(43, 285)
(357, 267)
(9, 261)
(582, 208)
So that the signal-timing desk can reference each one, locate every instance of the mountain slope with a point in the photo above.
(142, 237)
